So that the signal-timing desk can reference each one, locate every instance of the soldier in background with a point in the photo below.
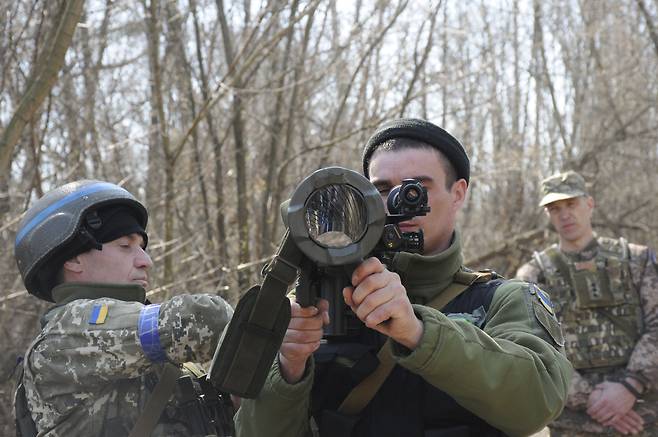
(605, 293)
(106, 360)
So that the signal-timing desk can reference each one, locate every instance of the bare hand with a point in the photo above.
(379, 300)
(630, 423)
(609, 404)
(302, 338)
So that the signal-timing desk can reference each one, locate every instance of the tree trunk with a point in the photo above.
(237, 125)
(42, 79)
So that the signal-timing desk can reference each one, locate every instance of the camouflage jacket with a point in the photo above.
(643, 361)
(89, 372)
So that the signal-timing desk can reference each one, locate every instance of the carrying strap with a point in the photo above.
(25, 426)
(156, 403)
(362, 393)
(256, 330)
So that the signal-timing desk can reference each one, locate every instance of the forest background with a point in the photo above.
(212, 111)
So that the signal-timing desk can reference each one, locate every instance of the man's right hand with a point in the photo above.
(628, 423)
(302, 338)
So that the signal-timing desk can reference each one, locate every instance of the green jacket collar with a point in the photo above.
(426, 276)
(70, 291)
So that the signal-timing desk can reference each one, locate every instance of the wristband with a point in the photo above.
(628, 386)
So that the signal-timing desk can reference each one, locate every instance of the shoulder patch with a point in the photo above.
(98, 314)
(544, 299)
(544, 313)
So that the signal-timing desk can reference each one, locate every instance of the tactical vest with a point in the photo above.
(405, 404)
(596, 302)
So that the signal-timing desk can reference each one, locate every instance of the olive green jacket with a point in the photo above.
(512, 374)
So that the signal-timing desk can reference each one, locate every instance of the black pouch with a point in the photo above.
(245, 354)
(335, 424)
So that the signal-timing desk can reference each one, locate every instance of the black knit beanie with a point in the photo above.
(423, 131)
(112, 222)
(102, 226)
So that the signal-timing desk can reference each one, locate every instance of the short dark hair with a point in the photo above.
(401, 143)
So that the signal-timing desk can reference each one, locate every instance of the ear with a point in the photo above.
(590, 202)
(458, 191)
(74, 265)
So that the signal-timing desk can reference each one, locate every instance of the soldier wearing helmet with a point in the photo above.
(106, 360)
(606, 296)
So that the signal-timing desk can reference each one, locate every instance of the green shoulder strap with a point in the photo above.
(157, 401)
(362, 394)
(253, 336)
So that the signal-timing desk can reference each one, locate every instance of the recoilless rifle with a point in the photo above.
(334, 220)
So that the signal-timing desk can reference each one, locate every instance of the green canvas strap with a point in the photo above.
(462, 280)
(255, 332)
(362, 394)
(157, 401)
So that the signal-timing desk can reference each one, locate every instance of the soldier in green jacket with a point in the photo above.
(95, 366)
(490, 363)
(606, 296)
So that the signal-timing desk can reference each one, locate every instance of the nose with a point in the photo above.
(563, 213)
(143, 260)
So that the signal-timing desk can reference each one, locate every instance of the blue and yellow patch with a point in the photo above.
(545, 314)
(545, 300)
(98, 314)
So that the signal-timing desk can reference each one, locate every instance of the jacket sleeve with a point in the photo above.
(580, 388)
(71, 346)
(509, 374)
(280, 410)
(643, 363)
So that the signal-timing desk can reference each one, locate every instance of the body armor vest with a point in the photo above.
(405, 404)
(596, 302)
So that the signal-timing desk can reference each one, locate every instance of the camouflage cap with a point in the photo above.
(562, 186)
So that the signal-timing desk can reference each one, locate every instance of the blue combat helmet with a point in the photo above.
(70, 220)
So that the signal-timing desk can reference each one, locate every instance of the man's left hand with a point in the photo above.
(379, 300)
(611, 402)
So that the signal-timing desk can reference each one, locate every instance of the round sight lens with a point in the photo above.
(336, 216)
(411, 194)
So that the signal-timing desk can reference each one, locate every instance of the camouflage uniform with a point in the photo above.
(606, 297)
(87, 375)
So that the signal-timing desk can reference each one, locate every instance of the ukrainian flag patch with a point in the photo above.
(98, 314)
(545, 300)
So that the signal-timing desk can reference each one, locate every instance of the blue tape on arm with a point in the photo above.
(149, 336)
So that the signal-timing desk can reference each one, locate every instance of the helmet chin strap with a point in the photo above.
(86, 235)
(93, 221)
